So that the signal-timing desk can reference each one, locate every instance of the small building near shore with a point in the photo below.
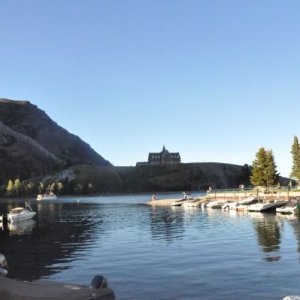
(162, 158)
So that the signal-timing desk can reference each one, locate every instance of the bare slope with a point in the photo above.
(33, 143)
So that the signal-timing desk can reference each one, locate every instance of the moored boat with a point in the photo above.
(266, 206)
(215, 204)
(178, 202)
(50, 196)
(289, 208)
(21, 213)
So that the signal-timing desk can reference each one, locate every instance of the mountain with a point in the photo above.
(32, 144)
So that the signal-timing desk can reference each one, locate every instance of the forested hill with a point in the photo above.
(161, 178)
(32, 144)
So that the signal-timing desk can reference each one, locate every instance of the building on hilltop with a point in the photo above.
(162, 158)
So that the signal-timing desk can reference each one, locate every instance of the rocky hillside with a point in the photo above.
(32, 144)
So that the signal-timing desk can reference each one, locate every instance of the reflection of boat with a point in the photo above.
(262, 207)
(289, 208)
(50, 196)
(21, 213)
(23, 227)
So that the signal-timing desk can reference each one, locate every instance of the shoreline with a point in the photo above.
(229, 196)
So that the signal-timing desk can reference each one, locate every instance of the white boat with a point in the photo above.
(240, 204)
(215, 204)
(230, 205)
(21, 213)
(178, 202)
(191, 203)
(289, 208)
(262, 207)
(50, 196)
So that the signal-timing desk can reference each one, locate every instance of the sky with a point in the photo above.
(212, 79)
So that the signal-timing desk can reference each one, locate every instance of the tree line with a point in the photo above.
(18, 188)
(264, 169)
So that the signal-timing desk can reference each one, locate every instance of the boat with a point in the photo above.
(47, 196)
(215, 204)
(186, 198)
(240, 205)
(21, 213)
(178, 202)
(191, 202)
(289, 208)
(230, 205)
(266, 206)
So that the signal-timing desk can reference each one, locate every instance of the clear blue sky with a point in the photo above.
(214, 80)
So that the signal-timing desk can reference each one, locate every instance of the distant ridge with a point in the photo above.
(32, 144)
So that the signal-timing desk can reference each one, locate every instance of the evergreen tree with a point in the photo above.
(271, 174)
(264, 171)
(296, 159)
(10, 188)
(258, 168)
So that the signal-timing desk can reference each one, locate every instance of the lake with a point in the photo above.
(155, 252)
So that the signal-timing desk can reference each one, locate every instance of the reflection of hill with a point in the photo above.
(58, 234)
(166, 224)
(268, 232)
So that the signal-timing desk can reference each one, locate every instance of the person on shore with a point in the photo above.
(153, 197)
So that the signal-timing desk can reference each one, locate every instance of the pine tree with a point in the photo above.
(264, 171)
(296, 159)
(271, 174)
(258, 168)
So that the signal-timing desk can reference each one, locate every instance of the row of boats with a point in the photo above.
(251, 204)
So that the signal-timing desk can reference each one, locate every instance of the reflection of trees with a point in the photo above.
(295, 222)
(268, 233)
(166, 223)
(59, 232)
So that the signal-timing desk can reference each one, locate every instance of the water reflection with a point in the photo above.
(268, 234)
(59, 236)
(166, 223)
(21, 227)
(295, 224)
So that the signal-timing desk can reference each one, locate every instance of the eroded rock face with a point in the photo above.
(32, 144)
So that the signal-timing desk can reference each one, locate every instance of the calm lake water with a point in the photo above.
(155, 252)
